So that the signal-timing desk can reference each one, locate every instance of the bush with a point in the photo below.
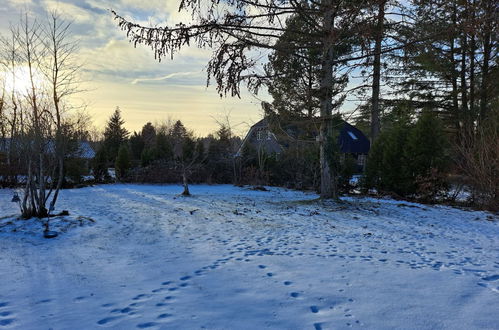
(75, 170)
(409, 160)
(478, 160)
(386, 169)
(99, 166)
(426, 156)
(122, 164)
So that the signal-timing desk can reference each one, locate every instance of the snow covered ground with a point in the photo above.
(140, 256)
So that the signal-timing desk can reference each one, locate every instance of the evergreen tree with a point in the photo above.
(295, 76)
(387, 165)
(115, 134)
(426, 155)
(122, 164)
(147, 156)
(100, 164)
(149, 135)
(136, 145)
(164, 147)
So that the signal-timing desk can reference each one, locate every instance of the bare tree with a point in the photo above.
(42, 75)
(61, 72)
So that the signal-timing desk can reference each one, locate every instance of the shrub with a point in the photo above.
(99, 166)
(122, 164)
(409, 160)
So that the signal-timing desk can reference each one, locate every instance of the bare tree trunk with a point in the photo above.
(59, 182)
(24, 205)
(486, 59)
(375, 120)
(455, 92)
(472, 51)
(186, 191)
(328, 184)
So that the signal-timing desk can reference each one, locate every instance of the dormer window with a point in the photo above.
(353, 136)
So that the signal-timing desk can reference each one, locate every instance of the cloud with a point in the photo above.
(18, 3)
(68, 11)
(168, 76)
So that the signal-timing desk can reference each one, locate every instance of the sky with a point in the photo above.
(115, 74)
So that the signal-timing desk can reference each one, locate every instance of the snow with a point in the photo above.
(141, 256)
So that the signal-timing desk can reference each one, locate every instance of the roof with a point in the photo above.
(350, 139)
(84, 150)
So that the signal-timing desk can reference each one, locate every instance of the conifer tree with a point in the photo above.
(122, 164)
(115, 134)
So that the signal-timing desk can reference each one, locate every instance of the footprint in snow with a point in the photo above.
(147, 325)
(314, 309)
(107, 320)
(108, 305)
(318, 326)
(6, 322)
(141, 296)
(491, 278)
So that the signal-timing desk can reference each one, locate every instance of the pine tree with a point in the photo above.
(115, 134)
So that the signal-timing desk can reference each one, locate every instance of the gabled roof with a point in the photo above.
(84, 150)
(350, 139)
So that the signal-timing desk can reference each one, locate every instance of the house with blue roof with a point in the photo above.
(351, 140)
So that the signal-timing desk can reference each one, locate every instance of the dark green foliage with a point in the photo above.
(348, 167)
(295, 68)
(149, 135)
(188, 149)
(75, 169)
(164, 147)
(147, 156)
(386, 166)
(100, 164)
(426, 154)
(115, 134)
(409, 159)
(122, 164)
(136, 146)
(220, 155)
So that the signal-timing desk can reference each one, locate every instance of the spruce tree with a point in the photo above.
(115, 134)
